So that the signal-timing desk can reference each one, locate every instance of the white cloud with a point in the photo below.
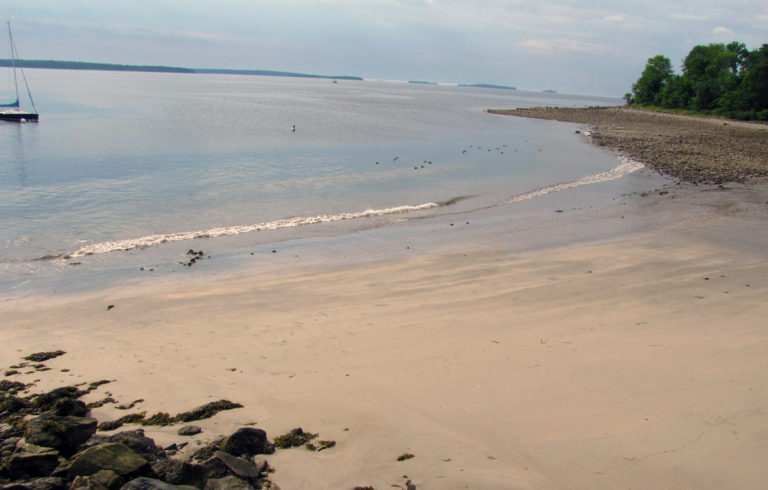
(561, 45)
(720, 30)
(614, 19)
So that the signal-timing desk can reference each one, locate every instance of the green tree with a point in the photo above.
(713, 71)
(657, 73)
(727, 80)
(753, 90)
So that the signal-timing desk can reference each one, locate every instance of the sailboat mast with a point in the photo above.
(13, 60)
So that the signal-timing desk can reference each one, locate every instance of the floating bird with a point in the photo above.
(293, 128)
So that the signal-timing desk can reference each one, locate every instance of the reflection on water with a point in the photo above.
(120, 156)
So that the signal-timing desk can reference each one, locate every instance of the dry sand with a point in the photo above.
(637, 362)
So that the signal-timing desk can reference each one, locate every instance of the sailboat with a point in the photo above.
(13, 111)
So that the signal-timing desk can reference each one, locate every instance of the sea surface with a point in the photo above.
(126, 172)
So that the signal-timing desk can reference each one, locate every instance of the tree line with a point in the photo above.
(717, 79)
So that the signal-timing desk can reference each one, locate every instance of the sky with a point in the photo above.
(590, 47)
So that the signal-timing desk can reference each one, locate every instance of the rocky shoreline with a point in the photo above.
(691, 148)
(49, 441)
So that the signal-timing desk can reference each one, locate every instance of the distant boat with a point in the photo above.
(13, 111)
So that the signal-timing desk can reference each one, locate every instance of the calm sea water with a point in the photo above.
(128, 170)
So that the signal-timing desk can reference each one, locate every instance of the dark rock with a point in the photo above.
(247, 442)
(49, 483)
(180, 472)
(228, 483)
(69, 406)
(62, 433)
(145, 483)
(138, 442)
(22, 466)
(261, 464)
(223, 464)
(189, 430)
(110, 456)
(102, 480)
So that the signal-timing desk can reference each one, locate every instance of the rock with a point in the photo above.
(86, 483)
(247, 442)
(62, 433)
(180, 472)
(109, 456)
(228, 483)
(261, 464)
(49, 483)
(145, 483)
(69, 406)
(223, 464)
(101, 480)
(22, 466)
(138, 442)
(189, 430)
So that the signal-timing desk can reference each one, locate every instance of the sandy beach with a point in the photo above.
(633, 362)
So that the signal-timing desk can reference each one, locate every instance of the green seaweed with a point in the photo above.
(206, 411)
(295, 438)
(405, 456)
(44, 356)
(160, 418)
(133, 418)
(320, 446)
(11, 387)
(109, 425)
(102, 402)
(206, 452)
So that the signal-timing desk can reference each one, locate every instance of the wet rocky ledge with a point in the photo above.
(696, 149)
(50, 441)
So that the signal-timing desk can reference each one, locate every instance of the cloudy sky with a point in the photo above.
(596, 47)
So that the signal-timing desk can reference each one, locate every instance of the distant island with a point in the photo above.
(549, 91)
(82, 65)
(487, 85)
(271, 73)
(422, 83)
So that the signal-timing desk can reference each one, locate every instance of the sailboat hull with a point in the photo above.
(19, 116)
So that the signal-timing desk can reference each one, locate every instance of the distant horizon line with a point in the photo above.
(96, 66)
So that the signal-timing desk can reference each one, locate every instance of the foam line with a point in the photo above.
(152, 240)
(627, 167)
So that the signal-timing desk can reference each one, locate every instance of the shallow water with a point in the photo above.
(127, 170)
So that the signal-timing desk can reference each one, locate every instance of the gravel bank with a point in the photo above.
(691, 148)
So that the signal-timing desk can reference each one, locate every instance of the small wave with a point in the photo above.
(153, 240)
(627, 167)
